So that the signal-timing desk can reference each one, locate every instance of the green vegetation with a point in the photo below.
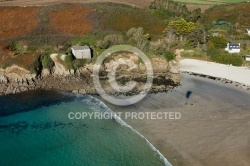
(68, 62)
(171, 9)
(46, 61)
(210, 2)
(120, 18)
(77, 63)
(234, 14)
(225, 58)
(180, 27)
(217, 42)
(158, 31)
(168, 55)
(195, 53)
(16, 46)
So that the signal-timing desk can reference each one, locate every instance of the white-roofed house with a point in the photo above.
(82, 52)
(233, 48)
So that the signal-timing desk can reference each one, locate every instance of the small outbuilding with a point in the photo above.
(82, 52)
(233, 48)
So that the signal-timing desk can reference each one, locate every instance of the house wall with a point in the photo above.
(247, 58)
(83, 54)
(234, 51)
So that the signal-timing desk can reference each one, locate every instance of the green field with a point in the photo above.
(210, 2)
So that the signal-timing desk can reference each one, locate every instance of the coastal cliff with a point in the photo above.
(15, 79)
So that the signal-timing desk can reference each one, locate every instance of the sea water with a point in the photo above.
(35, 130)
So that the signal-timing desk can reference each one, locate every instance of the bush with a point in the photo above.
(217, 42)
(69, 62)
(86, 40)
(168, 55)
(16, 46)
(47, 62)
(113, 39)
(225, 58)
(32, 48)
(77, 63)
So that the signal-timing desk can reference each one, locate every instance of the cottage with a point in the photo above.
(233, 48)
(248, 32)
(81, 52)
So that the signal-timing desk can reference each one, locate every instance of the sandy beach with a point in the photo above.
(233, 73)
(214, 126)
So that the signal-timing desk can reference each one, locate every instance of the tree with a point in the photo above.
(109, 40)
(181, 27)
(197, 37)
(138, 38)
(217, 42)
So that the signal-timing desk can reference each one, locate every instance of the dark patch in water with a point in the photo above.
(18, 127)
(32, 100)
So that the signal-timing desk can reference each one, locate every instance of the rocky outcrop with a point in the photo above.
(15, 79)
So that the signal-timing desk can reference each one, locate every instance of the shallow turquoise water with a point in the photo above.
(42, 134)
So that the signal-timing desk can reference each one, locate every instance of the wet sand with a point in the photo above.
(213, 129)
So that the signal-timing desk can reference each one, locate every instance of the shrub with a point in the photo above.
(47, 62)
(225, 58)
(168, 55)
(16, 46)
(69, 62)
(77, 63)
(86, 40)
(32, 48)
(217, 42)
(109, 40)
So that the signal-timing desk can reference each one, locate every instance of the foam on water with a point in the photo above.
(96, 104)
(44, 134)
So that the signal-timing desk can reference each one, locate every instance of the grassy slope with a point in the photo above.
(211, 2)
(232, 13)
(120, 18)
(59, 24)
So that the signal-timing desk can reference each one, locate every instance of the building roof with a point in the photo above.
(234, 45)
(80, 47)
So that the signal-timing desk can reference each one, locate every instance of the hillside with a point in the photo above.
(234, 13)
(35, 29)
(210, 2)
(74, 19)
(138, 3)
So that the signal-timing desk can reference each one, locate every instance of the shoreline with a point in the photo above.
(219, 79)
(81, 81)
(203, 115)
(228, 74)
(212, 122)
(15, 79)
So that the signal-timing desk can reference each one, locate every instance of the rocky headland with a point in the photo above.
(15, 79)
